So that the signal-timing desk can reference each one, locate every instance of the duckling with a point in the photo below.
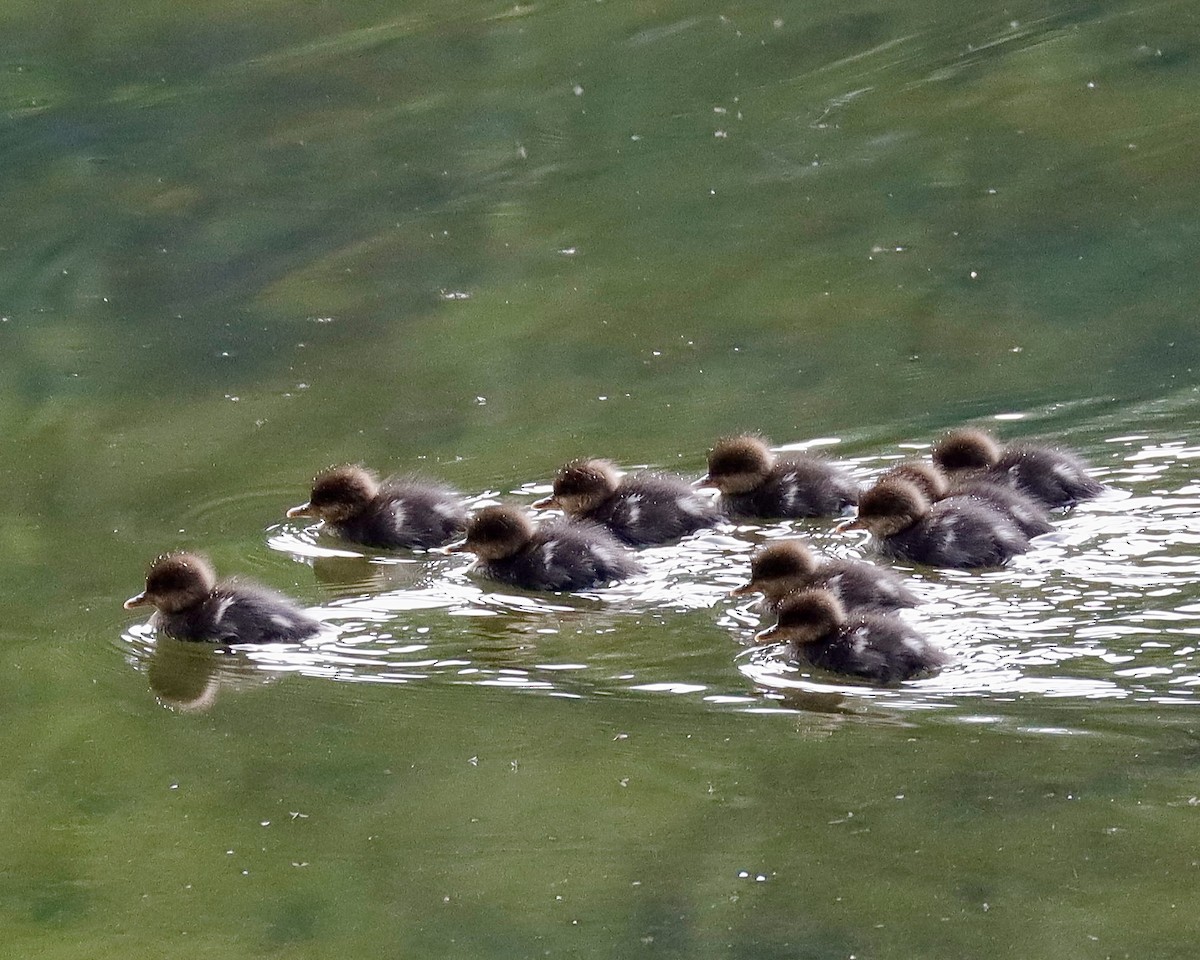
(190, 604)
(755, 483)
(1028, 514)
(639, 508)
(560, 555)
(955, 532)
(926, 477)
(875, 646)
(786, 566)
(1054, 478)
(399, 512)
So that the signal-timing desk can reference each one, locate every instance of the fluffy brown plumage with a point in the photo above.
(559, 555)
(191, 604)
(787, 566)
(874, 646)
(955, 532)
(754, 482)
(397, 512)
(1054, 478)
(639, 509)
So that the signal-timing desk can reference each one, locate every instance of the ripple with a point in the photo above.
(1105, 607)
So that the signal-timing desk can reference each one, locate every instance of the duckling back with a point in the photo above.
(1052, 477)
(564, 555)
(959, 532)
(863, 586)
(877, 647)
(650, 507)
(407, 513)
(239, 612)
(1027, 513)
(797, 486)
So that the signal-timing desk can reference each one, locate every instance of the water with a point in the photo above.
(243, 244)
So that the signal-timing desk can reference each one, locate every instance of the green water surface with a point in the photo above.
(242, 241)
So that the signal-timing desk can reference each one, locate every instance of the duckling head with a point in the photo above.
(581, 486)
(338, 494)
(888, 507)
(737, 465)
(777, 569)
(966, 449)
(806, 617)
(926, 477)
(495, 533)
(175, 582)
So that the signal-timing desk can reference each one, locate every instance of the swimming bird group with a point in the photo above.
(975, 504)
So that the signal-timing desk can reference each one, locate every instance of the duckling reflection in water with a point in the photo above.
(558, 555)
(184, 675)
(397, 512)
(190, 604)
(874, 646)
(1028, 514)
(956, 532)
(1054, 478)
(782, 568)
(754, 482)
(639, 509)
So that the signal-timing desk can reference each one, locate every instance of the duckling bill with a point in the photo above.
(191, 604)
(639, 509)
(558, 555)
(396, 513)
(754, 482)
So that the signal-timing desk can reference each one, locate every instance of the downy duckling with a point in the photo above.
(1051, 477)
(787, 566)
(875, 646)
(1027, 513)
(190, 604)
(756, 483)
(639, 508)
(955, 532)
(399, 512)
(560, 555)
